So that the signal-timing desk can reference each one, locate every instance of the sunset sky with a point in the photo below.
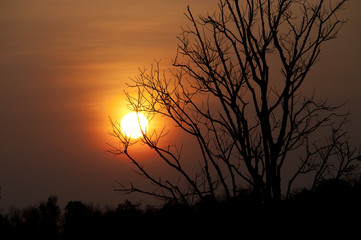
(64, 65)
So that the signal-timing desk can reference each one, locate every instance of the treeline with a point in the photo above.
(334, 206)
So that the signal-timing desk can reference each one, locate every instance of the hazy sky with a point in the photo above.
(63, 69)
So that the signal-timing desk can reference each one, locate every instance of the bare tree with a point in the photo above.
(237, 90)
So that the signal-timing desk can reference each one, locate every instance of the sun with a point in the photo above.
(134, 125)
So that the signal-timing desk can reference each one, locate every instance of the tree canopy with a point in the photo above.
(236, 87)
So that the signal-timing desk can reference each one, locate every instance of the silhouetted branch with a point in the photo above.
(332, 158)
(245, 121)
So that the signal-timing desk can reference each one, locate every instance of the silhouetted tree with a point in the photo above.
(333, 202)
(29, 223)
(50, 217)
(80, 220)
(237, 90)
(5, 226)
(128, 209)
(41, 222)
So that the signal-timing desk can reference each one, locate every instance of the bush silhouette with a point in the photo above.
(332, 207)
(80, 219)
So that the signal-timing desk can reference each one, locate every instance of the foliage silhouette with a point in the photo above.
(333, 207)
(31, 222)
(49, 217)
(80, 219)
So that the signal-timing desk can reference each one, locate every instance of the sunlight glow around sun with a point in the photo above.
(133, 124)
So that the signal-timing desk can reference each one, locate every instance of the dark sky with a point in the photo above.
(63, 69)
